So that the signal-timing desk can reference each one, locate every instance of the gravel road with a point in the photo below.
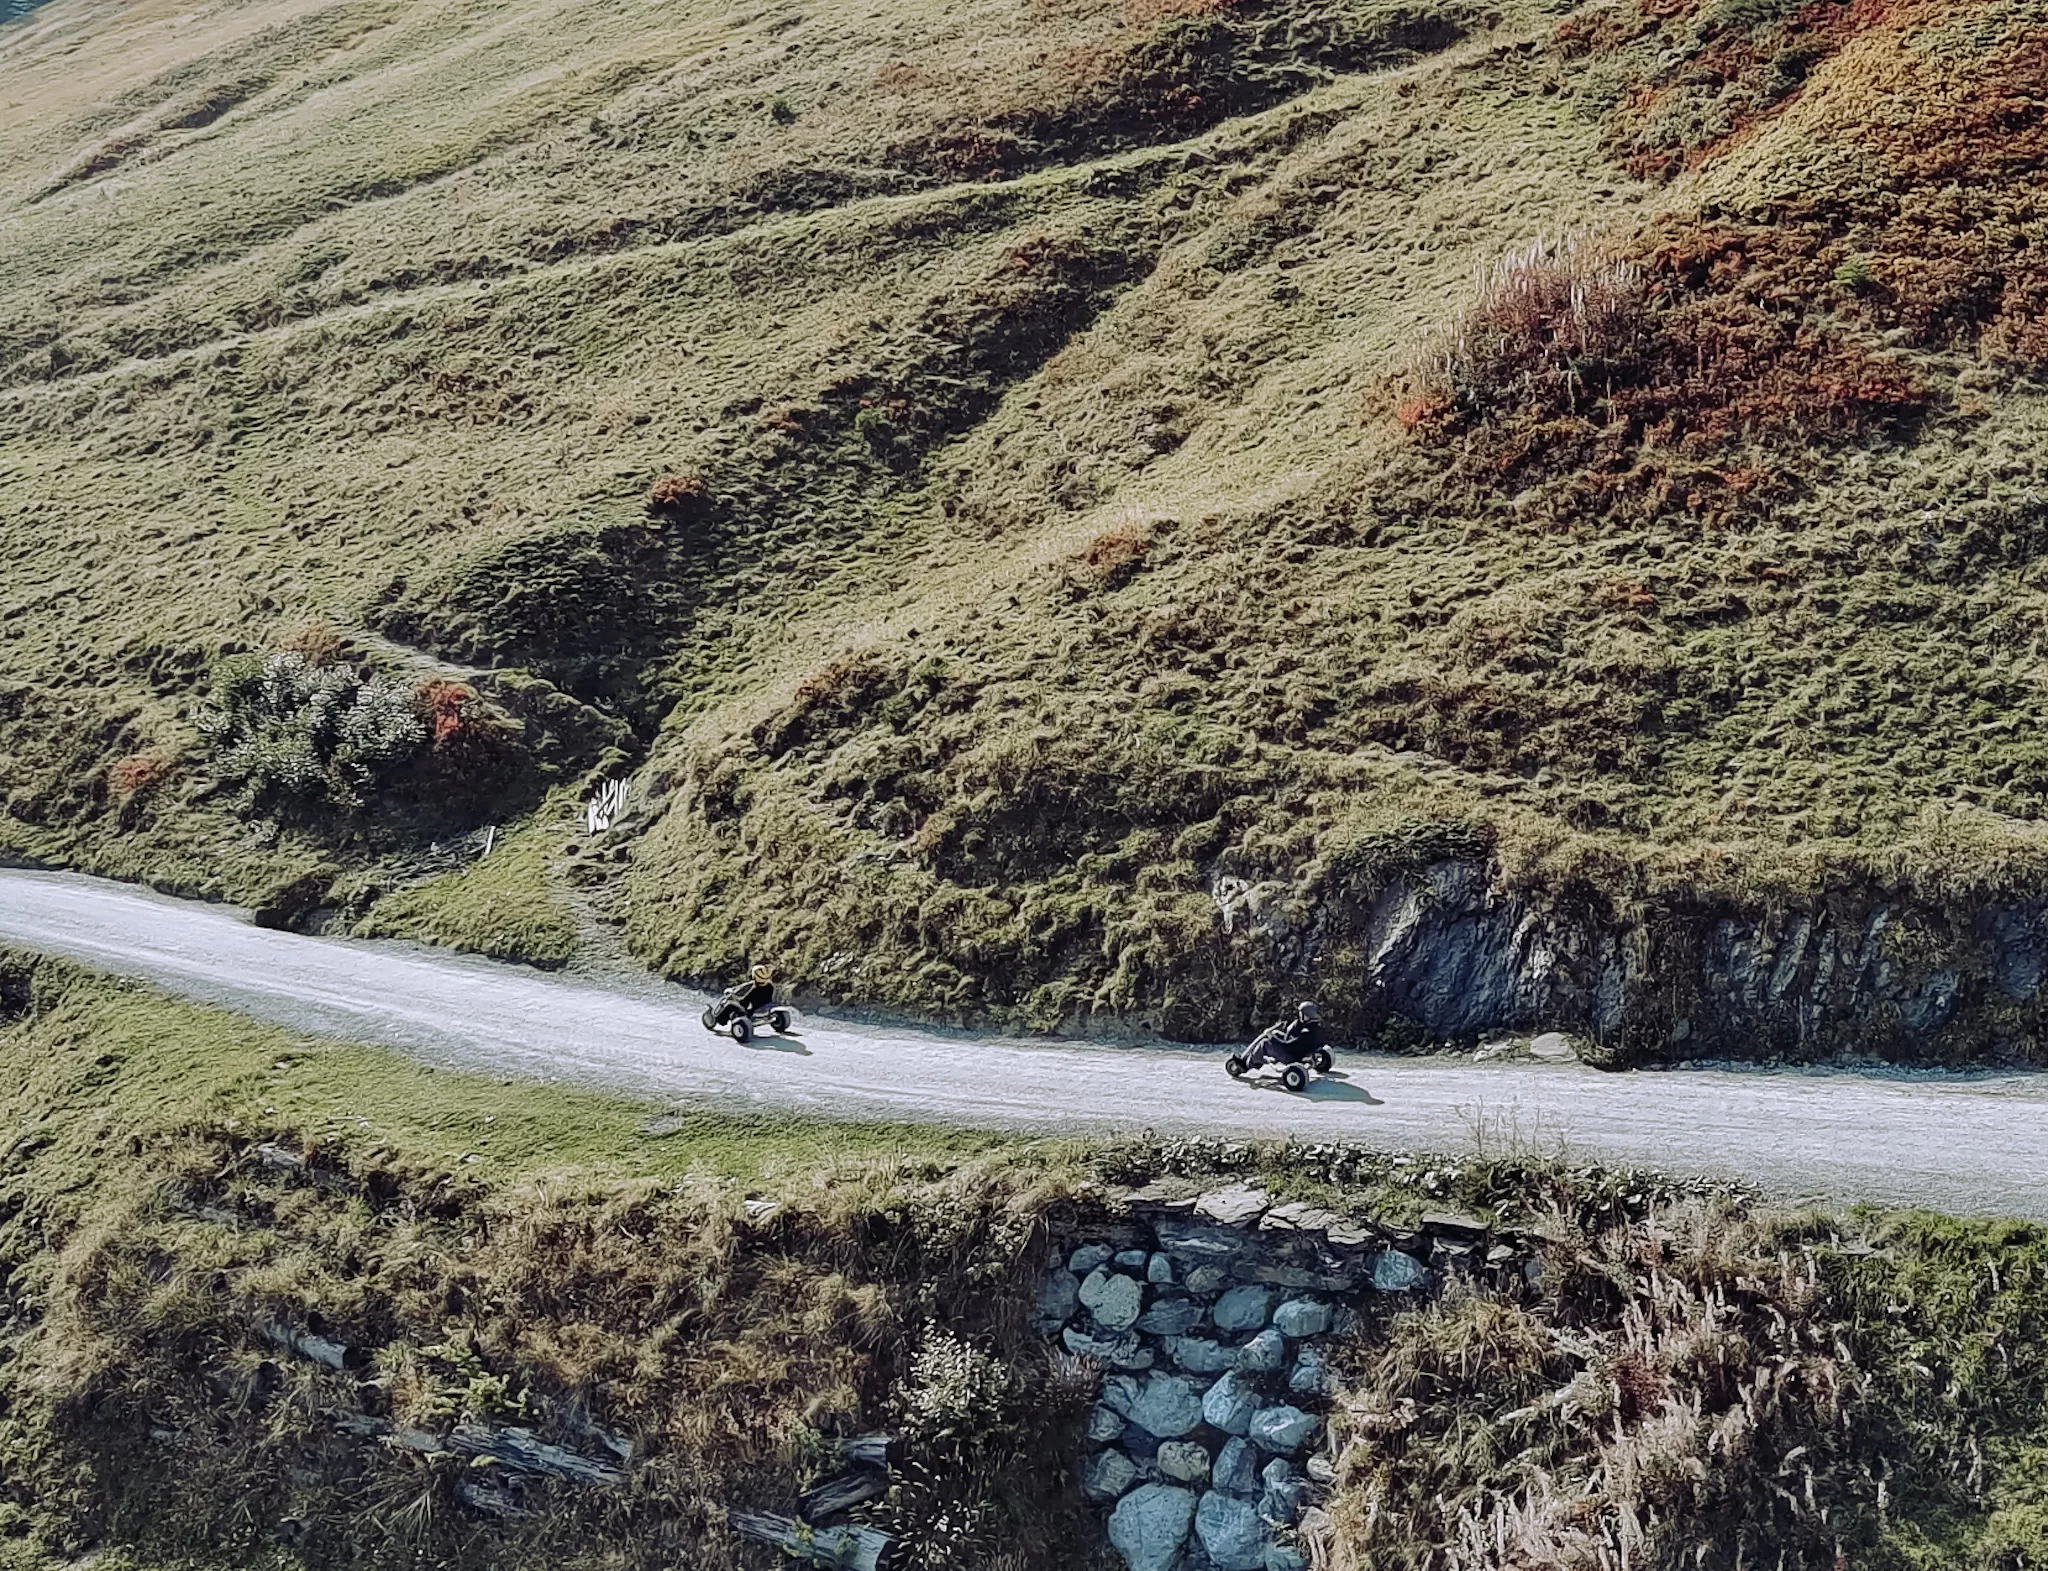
(1972, 1144)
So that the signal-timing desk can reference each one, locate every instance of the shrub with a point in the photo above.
(1550, 315)
(290, 731)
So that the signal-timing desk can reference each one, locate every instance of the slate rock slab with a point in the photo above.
(1240, 1309)
(1231, 1532)
(1150, 1524)
(1230, 1404)
(1113, 1298)
(1163, 1405)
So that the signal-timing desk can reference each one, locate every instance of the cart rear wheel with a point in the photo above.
(1321, 1060)
(779, 1018)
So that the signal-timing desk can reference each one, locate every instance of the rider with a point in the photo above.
(1291, 1041)
(751, 996)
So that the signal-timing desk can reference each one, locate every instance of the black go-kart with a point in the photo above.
(726, 1018)
(1260, 1055)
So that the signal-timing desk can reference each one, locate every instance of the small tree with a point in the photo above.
(288, 730)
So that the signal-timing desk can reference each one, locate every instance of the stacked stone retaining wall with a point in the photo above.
(1212, 1317)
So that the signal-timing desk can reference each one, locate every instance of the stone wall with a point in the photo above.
(1212, 1318)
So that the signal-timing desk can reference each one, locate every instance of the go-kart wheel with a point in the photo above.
(1320, 1059)
(1294, 1077)
(742, 1029)
(710, 1021)
(779, 1018)
(1234, 1066)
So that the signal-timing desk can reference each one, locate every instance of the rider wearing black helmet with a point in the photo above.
(1300, 1037)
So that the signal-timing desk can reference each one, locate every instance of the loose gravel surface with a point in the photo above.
(1961, 1143)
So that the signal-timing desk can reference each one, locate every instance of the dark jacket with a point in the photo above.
(750, 997)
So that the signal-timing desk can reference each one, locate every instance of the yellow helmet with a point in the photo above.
(763, 974)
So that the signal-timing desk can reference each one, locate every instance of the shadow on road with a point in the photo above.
(778, 1044)
(1335, 1088)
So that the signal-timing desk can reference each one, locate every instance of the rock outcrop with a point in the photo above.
(1450, 953)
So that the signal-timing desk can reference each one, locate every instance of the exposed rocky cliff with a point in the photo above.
(1448, 953)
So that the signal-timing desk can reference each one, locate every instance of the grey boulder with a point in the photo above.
(1131, 1259)
(1231, 1532)
(1108, 1474)
(1150, 1524)
(1184, 1461)
(1159, 1270)
(1283, 1429)
(1200, 1355)
(1204, 1280)
(1113, 1298)
(1230, 1404)
(1236, 1468)
(1171, 1317)
(1394, 1272)
(1240, 1309)
(1121, 1352)
(1302, 1317)
(1264, 1353)
(1311, 1375)
(1104, 1423)
(1163, 1405)
(1088, 1257)
(1059, 1295)
(1285, 1557)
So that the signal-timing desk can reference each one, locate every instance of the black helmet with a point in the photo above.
(1307, 1012)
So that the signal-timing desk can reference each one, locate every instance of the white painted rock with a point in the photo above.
(1240, 1309)
(1552, 1045)
(1231, 1533)
(1184, 1461)
(1150, 1524)
(1113, 1298)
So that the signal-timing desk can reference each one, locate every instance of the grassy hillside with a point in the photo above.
(1000, 474)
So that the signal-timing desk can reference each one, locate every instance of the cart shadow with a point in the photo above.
(1332, 1087)
(778, 1044)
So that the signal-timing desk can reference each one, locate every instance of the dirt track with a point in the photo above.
(1965, 1144)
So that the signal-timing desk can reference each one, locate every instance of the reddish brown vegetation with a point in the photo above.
(140, 773)
(1115, 555)
(676, 493)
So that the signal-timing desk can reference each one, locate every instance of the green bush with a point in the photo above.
(288, 731)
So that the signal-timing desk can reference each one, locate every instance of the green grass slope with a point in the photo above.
(996, 473)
